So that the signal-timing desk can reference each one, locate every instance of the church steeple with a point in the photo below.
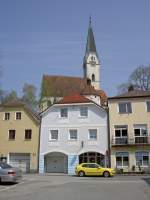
(90, 45)
(91, 65)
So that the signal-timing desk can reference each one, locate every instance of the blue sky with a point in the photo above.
(49, 37)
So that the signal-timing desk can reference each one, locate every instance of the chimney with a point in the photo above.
(130, 88)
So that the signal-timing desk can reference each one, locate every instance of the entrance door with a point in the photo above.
(56, 163)
(92, 157)
(20, 160)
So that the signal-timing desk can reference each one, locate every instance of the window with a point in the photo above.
(12, 134)
(140, 133)
(64, 112)
(148, 106)
(73, 134)
(83, 111)
(18, 115)
(142, 158)
(122, 159)
(53, 135)
(92, 58)
(4, 165)
(93, 134)
(85, 165)
(28, 134)
(92, 157)
(6, 116)
(121, 134)
(91, 165)
(93, 77)
(125, 107)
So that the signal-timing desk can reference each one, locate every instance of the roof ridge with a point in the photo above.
(63, 76)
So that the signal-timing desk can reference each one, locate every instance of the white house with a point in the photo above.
(73, 131)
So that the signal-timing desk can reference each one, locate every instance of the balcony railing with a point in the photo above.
(141, 140)
(131, 141)
(121, 140)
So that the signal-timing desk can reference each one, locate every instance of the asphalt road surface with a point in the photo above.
(63, 187)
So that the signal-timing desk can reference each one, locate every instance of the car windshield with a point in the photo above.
(5, 166)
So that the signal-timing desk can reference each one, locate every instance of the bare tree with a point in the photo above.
(139, 79)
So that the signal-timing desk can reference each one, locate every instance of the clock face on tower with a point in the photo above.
(92, 60)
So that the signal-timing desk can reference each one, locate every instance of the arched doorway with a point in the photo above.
(92, 157)
(56, 162)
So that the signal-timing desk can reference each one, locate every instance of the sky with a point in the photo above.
(49, 37)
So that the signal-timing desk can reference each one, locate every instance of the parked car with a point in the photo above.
(93, 169)
(9, 173)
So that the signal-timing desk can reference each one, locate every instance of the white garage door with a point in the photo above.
(56, 163)
(21, 160)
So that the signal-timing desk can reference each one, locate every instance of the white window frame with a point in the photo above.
(120, 128)
(126, 112)
(26, 132)
(4, 116)
(63, 117)
(50, 135)
(70, 134)
(142, 152)
(83, 107)
(9, 135)
(122, 162)
(141, 127)
(94, 139)
(16, 115)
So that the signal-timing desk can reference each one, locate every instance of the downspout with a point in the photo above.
(39, 145)
(108, 137)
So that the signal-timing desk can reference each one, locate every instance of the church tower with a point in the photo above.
(91, 64)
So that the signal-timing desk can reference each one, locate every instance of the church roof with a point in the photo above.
(90, 45)
(61, 86)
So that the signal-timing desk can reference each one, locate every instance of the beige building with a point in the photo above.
(19, 133)
(129, 121)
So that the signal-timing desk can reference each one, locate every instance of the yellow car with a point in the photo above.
(93, 169)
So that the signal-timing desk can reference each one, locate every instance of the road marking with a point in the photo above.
(113, 181)
(28, 179)
(10, 187)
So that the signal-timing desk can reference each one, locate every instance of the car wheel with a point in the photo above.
(106, 174)
(81, 174)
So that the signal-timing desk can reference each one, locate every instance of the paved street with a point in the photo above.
(63, 187)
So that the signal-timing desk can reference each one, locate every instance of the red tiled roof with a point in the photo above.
(74, 98)
(89, 90)
(103, 96)
(61, 86)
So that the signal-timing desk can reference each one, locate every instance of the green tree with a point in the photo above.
(9, 97)
(29, 95)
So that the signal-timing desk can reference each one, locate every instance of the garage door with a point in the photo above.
(56, 163)
(21, 160)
